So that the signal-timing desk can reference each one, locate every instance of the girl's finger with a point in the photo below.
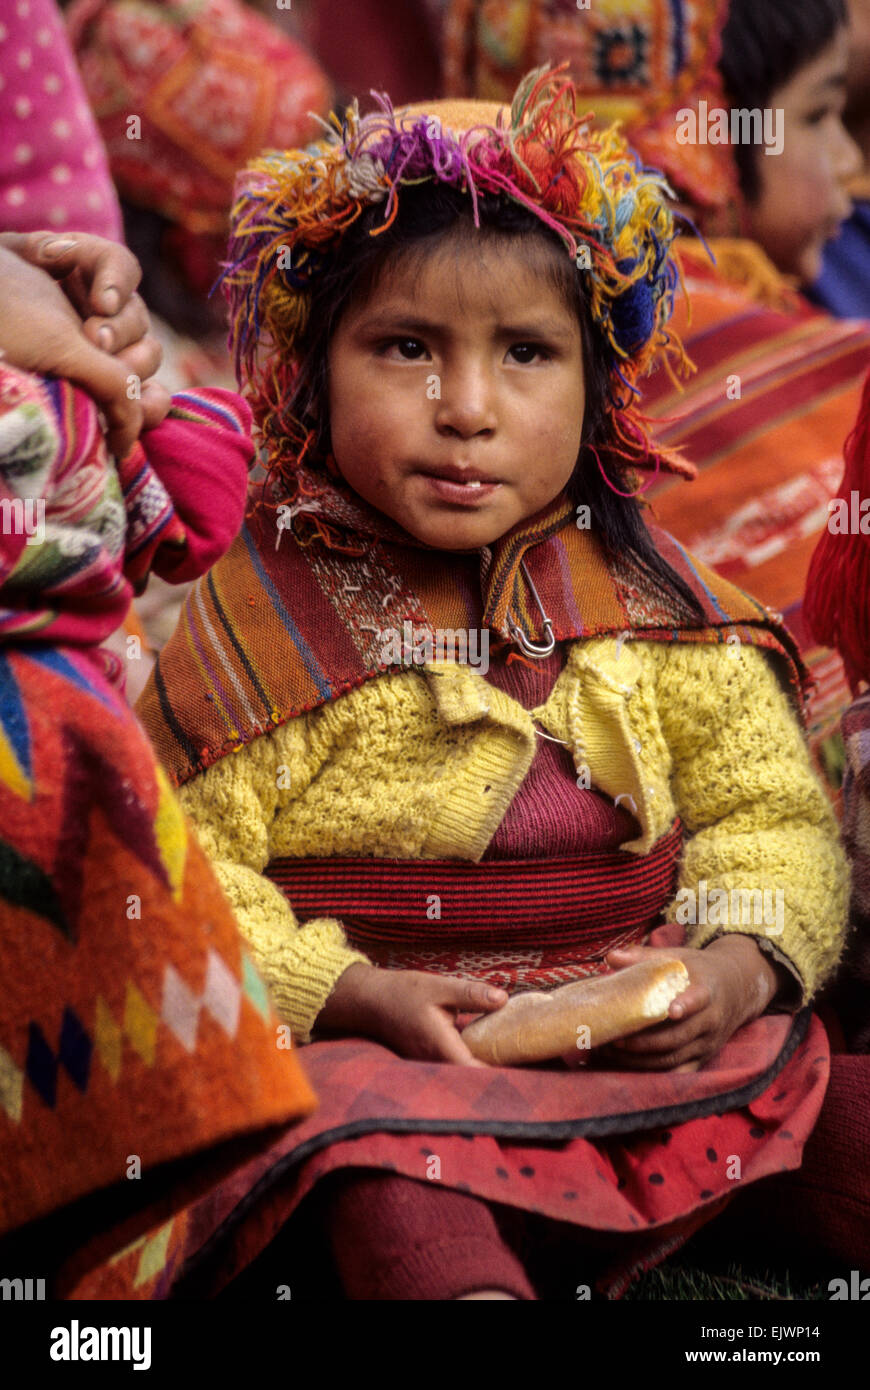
(156, 402)
(665, 1037)
(143, 359)
(123, 427)
(693, 999)
(449, 1044)
(620, 955)
(78, 292)
(471, 996)
(96, 372)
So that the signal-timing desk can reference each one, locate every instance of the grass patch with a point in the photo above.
(678, 1281)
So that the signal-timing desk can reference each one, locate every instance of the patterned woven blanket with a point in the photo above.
(134, 1028)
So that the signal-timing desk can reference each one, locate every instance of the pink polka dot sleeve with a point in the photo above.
(53, 169)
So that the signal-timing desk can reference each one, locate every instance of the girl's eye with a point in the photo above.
(822, 113)
(525, 352)
(410, 348)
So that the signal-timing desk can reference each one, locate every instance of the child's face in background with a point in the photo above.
(803, 199)
(462, 366)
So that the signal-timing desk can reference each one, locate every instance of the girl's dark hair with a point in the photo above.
(431, 211)
(764, 43)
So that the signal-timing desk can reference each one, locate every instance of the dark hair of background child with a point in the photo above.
(764, 44)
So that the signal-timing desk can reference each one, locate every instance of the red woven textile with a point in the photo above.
(528, 923)
(642, 1159)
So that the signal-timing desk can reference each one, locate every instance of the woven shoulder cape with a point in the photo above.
(284, 623)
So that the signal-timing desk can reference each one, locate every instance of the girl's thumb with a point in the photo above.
(482, 996)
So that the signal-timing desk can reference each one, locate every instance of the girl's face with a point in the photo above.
(803, 199)
(456, 393)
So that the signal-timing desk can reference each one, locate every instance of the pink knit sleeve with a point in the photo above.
(201, 453)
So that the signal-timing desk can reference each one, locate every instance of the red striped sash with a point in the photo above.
(528, 922)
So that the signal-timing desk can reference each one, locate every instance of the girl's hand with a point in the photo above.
(41, 327)
(410, 1011)
(730, 982)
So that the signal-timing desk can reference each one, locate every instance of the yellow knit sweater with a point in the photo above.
(423, 764)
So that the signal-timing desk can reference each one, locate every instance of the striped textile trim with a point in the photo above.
(197, 406)
(512, 969)
(272, 633)
(517, 924)
(579, 899)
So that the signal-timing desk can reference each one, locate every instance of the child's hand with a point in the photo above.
(730, 983)
(410, 1011)
(41, 329)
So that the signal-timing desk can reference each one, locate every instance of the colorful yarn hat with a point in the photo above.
(634, 61)
(836, 606)
(611, 214)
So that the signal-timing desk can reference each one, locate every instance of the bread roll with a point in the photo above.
(536, 1026)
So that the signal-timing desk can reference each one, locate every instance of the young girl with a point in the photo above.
(440, 315)
(134, 1029)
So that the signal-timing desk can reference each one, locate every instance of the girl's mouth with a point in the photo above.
(463, 494)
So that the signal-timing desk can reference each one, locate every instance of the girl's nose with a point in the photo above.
(466, 404)
(850, 157)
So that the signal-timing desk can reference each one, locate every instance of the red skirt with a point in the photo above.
(640, 1159)
(645, 1157)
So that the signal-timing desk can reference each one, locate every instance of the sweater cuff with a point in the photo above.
(303, 972)
(792, 994)
(785, 1002)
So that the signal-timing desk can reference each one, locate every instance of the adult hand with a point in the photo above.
(99, 279)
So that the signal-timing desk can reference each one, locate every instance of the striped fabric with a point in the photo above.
(518, 924)
(279, 627)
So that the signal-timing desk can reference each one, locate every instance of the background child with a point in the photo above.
(844, 286)
(116, 944)
(440, 320)
(645, 64)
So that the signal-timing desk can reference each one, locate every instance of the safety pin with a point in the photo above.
(530, 648)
